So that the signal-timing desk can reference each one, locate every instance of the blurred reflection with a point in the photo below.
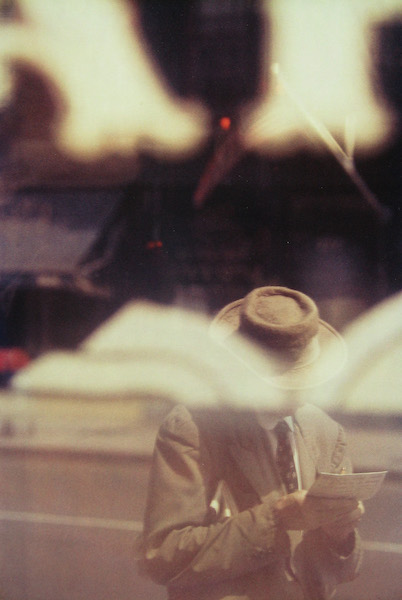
(108, 97)
(322, 52)
(146, 350)
(371, 383)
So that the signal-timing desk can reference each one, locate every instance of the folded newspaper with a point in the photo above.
(361, 486)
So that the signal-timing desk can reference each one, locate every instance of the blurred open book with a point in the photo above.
(151, 351)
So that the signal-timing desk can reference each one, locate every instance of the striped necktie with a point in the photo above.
(284, 457)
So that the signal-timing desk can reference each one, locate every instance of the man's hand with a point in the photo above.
(339, 531)
(335, 515)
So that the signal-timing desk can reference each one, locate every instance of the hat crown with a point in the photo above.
(281, 319)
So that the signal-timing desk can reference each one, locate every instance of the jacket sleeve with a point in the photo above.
(318, 564)
(179, 546)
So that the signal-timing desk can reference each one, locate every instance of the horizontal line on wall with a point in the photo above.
(136, 526)
(67, 520)
(383, 547)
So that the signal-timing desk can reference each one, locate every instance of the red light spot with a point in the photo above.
(152, 244)
(12, 359)
(225, 123)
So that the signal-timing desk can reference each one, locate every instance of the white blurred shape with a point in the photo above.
(319, 49)
(93, 55)
(150, 351)
(371, 383)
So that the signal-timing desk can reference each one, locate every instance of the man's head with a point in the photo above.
(305, 350)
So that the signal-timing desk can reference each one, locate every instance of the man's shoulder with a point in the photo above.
(311, 411)
(216, 426)
(178, 422)
(312, 420)
(189, 424)
(324, 437)
(222, 421)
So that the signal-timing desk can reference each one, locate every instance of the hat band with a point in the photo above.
(309, 355)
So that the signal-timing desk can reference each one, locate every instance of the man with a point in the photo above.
(228, 514)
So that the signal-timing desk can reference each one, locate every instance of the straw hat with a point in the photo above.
(305, 350)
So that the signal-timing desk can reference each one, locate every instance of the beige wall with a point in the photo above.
(46, 555)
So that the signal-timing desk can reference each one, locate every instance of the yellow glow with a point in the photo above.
(113, 99)
(322, 77)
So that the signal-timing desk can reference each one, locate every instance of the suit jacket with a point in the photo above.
(248, 556)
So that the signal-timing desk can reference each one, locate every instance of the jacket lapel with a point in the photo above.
(309, 453)
(307, 462)
(252, 454)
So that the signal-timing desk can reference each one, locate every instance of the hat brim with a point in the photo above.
(329, 360)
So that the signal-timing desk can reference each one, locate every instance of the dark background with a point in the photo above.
(296, 221)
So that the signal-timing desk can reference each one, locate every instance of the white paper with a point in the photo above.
(361, 486)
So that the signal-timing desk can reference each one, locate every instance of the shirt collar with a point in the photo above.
(268, 421)
(290, 422)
